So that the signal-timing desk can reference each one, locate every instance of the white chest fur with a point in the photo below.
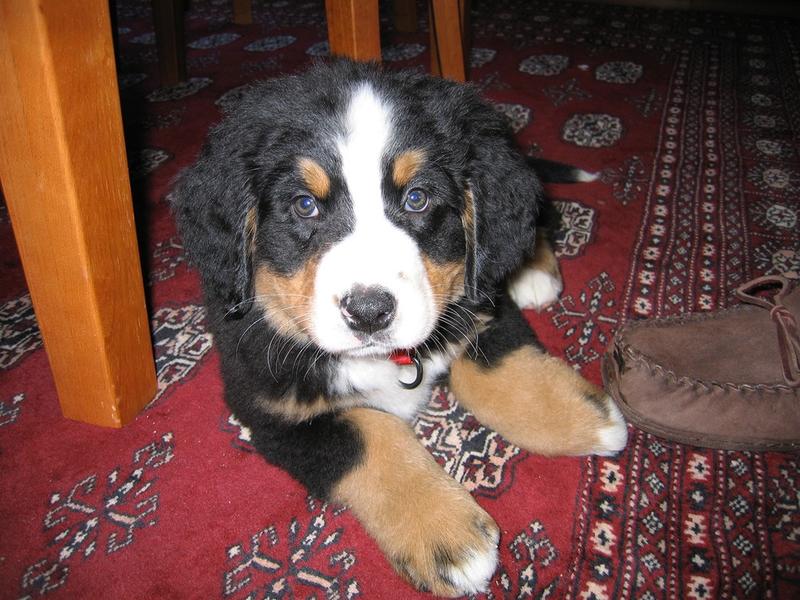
(375, 382)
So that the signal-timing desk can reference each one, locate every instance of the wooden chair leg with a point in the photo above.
(242, 12)
(354, 28)
(404, 15)
(170, 40)
(449, 30)
(65, 180)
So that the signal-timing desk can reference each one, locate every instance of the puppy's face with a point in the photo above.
(358, 237)
(354, 205)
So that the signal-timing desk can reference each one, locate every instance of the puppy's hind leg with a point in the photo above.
(538, 282)
(534, 400)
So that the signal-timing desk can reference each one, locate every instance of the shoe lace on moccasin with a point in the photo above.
(785, 321)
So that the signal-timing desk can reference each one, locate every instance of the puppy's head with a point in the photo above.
(353, 205)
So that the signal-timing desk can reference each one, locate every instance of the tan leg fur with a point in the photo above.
(539, 403)
(429, 527)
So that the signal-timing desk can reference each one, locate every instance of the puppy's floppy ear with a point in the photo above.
(216, 210)
(501, 205)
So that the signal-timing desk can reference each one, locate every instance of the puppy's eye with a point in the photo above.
(305, 206)
(416, 200)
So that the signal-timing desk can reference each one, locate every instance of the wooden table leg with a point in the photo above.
(242, 12)
(354, 28)
(65, 179)
(448, 24)
(404, 14)
(170, 40)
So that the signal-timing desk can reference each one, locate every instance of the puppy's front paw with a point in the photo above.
(541, 404)
(532, 288)
(450, 555)
(613, 435)
(428, 526)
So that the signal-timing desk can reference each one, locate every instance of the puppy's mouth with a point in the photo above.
(371, 346)
(367, 351)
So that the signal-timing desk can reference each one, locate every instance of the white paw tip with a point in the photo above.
(472, 576)
(614, 437)
(585, 176)
(534, 289)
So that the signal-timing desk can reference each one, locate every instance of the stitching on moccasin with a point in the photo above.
(641, 359)
(687, 317)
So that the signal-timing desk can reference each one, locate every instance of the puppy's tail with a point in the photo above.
(550, 171)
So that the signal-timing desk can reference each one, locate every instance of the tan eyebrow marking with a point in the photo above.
(406, 166)
(315, 177)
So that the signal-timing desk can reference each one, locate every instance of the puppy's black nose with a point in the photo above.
(368, 309)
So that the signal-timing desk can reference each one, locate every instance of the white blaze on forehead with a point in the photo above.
(377, 246)
(368, 127)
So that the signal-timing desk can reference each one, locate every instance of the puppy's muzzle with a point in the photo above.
(368, 309)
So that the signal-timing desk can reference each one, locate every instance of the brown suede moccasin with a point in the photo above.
(728, 379)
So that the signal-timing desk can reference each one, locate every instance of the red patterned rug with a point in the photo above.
(693, 120)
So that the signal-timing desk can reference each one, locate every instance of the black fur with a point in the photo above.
(508, 331)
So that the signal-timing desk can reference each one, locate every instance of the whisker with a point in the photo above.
(258, 297)
(463, 326)
(287, 337)
(317, 355)
(244, 333)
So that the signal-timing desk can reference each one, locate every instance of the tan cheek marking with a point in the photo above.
(286, 300)
(446, 280)
(406, 166)
(534, 400)
(406, 501)
(315, 177)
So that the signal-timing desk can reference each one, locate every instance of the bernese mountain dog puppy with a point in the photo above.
(361, 233)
